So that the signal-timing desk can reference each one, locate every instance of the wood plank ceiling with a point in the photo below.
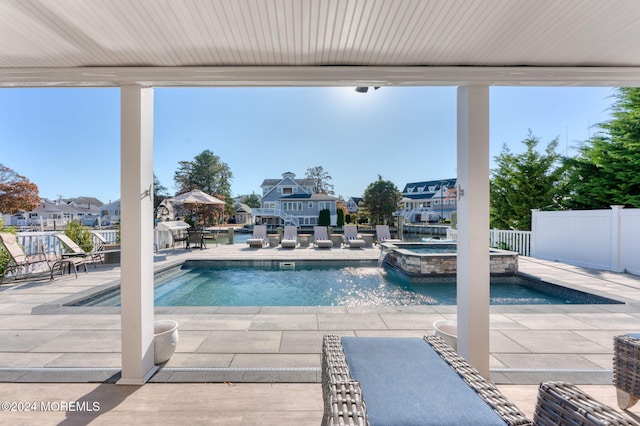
(53, 34)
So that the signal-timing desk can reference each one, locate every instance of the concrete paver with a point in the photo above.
(526, 341)
(528, 344)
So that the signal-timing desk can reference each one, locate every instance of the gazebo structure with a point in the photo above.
(137, 45)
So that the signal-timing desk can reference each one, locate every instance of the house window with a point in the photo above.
(310, 205)
(312, 221)
(287, 191)
(270, 205)
(324, 205)
(292, 206)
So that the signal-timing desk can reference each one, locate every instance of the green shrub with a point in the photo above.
(502, 246)
(340, 220)
(4, 254)
(80, 234)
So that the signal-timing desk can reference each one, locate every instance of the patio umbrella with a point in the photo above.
(197, 198)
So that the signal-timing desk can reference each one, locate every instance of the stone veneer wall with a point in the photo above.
(501, 263)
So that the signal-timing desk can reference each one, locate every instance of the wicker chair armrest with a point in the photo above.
(564, 403)
(343, 403)
(485, 389)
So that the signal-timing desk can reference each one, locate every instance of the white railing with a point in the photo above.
(288, 218)
(33, 242)
(518, 241)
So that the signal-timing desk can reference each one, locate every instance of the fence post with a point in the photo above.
(615, 238)
(532, 242)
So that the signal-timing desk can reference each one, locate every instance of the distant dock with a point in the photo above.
(431, 229)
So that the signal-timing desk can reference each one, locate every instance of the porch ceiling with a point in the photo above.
(281, 42)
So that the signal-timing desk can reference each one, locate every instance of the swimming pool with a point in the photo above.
(320, 283)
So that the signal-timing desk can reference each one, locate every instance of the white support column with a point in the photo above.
(136, 234)
(473, 226)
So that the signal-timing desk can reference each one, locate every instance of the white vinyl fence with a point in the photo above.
(599, 239)
(518, 241)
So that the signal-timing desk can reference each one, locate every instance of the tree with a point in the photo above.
(605, 171)
(324, 217)
(320, 180)
(17, 193)
(207, 173)
(380, 201)
(252, 201)
(522, 182)
(160, 192)
(340, 218)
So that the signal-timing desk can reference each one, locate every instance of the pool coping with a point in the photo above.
(65, 305)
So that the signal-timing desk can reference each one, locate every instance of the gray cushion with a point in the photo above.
(405, 382)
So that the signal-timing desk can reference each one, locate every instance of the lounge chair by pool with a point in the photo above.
(321, 237)
(290, 237)
(259, 238)
(379, 380)
(351, 237)
(383, 235)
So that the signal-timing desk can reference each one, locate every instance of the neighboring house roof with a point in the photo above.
(419, 196)
(423, 187)
(356, 200)
(275, 182)
(243, 208)
(312, 197)
(84, 201)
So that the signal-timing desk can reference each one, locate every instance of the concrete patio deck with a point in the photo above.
(280, 346)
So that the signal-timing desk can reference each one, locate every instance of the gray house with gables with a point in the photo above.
(429, 201)
(291, 201)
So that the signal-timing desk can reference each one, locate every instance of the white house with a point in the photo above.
(429, 201)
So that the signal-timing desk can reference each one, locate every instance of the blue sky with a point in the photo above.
(67, 140)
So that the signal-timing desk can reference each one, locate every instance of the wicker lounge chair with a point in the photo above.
(321, 237)
(626, 369)
(290, 237)
(259, 238)
(351, 237)
(447, 391)
(383, 235)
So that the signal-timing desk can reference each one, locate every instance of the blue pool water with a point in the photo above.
(336, 284)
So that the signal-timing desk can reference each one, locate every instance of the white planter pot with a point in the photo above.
(448, 331)
(165, 340)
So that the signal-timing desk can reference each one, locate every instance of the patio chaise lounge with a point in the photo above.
(35, 266)
(396, 381)
(259, 238)
(351, 237)
(321, 237)
(77, 252)
(290, 237)
(383, 235)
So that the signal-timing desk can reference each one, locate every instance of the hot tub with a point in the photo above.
(440, 258)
